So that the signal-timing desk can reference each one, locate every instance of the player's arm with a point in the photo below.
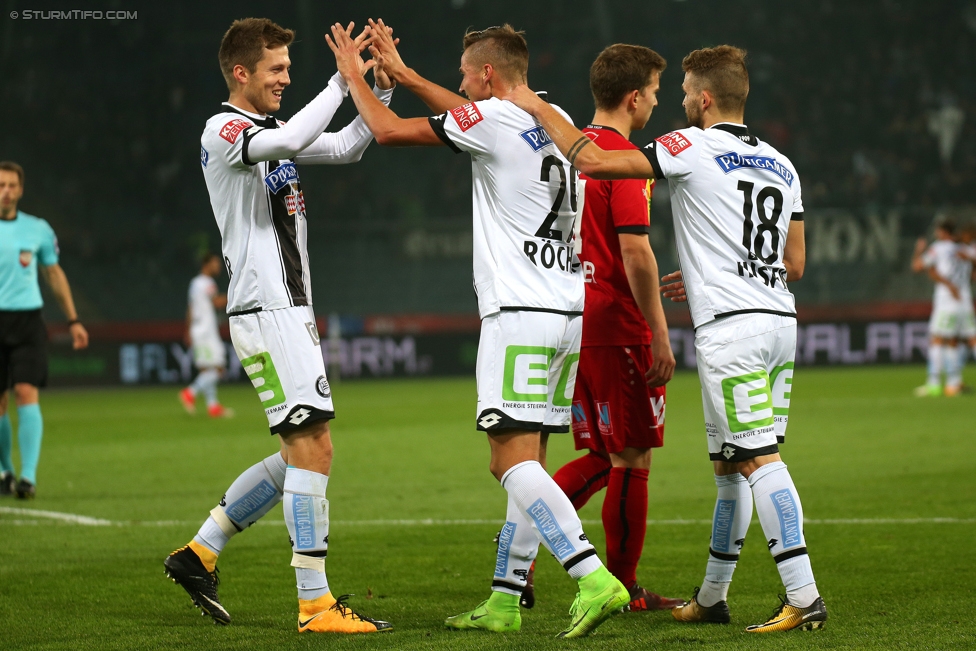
(940, 279)
(57, 280)
(384, 50)
(795, 253)
(387, 127)
(306, 125)
(349, 144)
(577, 148)
(641, 268)
(918, 259)
(219, 301)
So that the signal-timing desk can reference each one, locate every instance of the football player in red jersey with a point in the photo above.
(626, 358)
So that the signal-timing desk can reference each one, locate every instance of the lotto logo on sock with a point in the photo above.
(304, 523)
(241, 510)
(545, 521)
(789, 518)
(722, 525)
(504, 545)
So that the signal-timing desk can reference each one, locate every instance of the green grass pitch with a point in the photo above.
(887, 482)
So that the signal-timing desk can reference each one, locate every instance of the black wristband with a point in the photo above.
(73, 321)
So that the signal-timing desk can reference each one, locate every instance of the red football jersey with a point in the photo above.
(611, 316)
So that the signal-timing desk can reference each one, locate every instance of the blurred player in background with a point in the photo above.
(27, 246)
(530, 299)
(249, 164)
(738, 217)
(626, 357)
(949, 265)
(209, 355)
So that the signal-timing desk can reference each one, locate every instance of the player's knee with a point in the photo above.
(26, 394)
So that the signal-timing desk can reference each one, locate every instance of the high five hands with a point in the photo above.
(348, 52)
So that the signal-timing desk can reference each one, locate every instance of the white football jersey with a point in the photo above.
(203, 317)
(260, 211)
(524, 196)
(942, 255)
(732, 199)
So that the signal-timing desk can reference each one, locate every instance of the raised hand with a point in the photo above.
(347, 51)
(383, 49)
(673, 287)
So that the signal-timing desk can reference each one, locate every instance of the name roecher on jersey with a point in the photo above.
(524, 203)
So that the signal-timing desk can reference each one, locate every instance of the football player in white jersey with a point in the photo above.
(530, 298)
(948, 263)
(738, 224)
(209, 355)
(249, 163)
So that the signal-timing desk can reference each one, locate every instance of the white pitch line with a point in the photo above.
(54, 515)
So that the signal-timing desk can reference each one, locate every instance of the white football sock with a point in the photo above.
(781, 515)
(307, 519)
(953, 366)
(518, 545)
(730, 522)
(249, 498)
(935, 365)
(542, 501)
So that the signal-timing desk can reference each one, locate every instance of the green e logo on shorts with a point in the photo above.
(781, 385)
(527, 373)
(560, 397)
(748, 401)
(261, 370)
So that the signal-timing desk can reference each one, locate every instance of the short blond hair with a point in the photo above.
(722, 71)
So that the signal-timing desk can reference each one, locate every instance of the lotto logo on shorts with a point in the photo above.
(674, 143)
(467, 116)
(527, 373)
(233, 129)
(748, 401)
(603, 418)
(261, 370)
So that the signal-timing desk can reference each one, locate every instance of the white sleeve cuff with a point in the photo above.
(383, 95)
(340, 84)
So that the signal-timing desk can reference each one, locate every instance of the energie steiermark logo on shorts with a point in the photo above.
(526, 376)
(261, 370)
(754, 400)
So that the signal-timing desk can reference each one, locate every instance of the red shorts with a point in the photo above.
(613, 408)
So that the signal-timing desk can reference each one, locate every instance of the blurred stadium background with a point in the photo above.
(874, 101)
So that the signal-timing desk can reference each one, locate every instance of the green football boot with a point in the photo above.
(600, 597)
(500, 614)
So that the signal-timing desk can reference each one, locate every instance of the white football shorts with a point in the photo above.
(209, 351)
(953, 322)
(745, 364)
(526, 370)
(280, 353)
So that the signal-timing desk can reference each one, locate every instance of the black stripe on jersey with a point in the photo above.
(286, 232)
(248, 134)
(755, 310)
(634, 230)
(796, 217)
(520, 308)
(651, 152)
(437, 124)
(253, 310)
